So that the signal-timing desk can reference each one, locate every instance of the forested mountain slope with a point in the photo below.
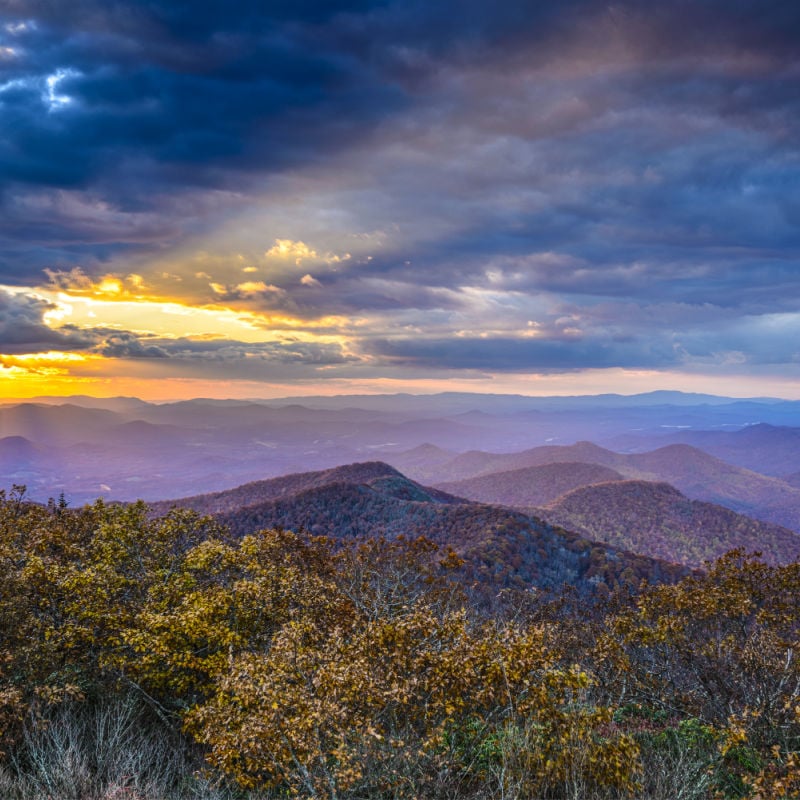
(531, 486)
(501, 547)
(697, 474)
(256, 492)
(159, 658)
(655, 519)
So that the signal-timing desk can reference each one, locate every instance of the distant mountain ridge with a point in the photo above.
(475, 463)
(20, 458)
(457, 402)
(501, 547)
(124, 448)
(692, 471)
(531, 486)
(769, 449)
(18, 449)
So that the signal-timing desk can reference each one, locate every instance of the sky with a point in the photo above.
(260, 198)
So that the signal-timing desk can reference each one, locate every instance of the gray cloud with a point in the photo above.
(23, 330)
(521, 355)
(216, 352)
(284, 352)
(128, 345)
(521, 161)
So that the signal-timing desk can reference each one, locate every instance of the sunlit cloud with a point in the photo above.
(55, 98)
(522, 196)
(36, 362)
(246, 290)
(286, 248)
(151, 316)
(19, 27)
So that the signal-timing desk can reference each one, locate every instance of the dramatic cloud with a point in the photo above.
(405, 186)
(23, 329)
(280, 352)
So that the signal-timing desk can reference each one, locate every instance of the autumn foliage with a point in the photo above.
(290, 666)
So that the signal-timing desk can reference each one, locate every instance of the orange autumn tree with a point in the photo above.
(720, 650)
(400, 692)
(305, 667)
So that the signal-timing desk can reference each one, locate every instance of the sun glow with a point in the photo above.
(53, 372)
(51, 362)
(170, 319)
(150, 346)
(110, 286)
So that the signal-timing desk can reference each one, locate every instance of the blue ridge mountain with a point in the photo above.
(531, 486)
(655, 519)
(695, 473)
(769, 449)
(501, 547)
(126, 449)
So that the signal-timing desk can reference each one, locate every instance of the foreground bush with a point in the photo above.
(159, 658)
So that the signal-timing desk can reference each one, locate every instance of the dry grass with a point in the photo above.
(110, 750)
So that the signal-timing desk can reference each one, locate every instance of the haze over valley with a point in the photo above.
(629, 471)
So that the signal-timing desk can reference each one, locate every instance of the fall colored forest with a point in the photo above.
(158, 657)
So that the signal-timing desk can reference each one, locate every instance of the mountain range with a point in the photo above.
(125, 448)
(582, 533)
(501, 547)
(695, 473)
(479, 462)
(655, 519)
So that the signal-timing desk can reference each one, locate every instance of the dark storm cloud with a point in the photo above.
(23, 330)
(136, 103)
(113, 120)
(521, 355)
(220, 351)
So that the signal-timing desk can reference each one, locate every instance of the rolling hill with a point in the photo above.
(695, 473)
(769, 449)
(531, 486)
(501, 547)
(657, 520)
(475, 463)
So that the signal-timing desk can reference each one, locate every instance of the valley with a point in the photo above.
(493, 476)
